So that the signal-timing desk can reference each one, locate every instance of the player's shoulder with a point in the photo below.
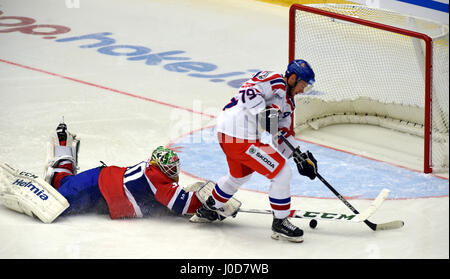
(157, 176)
(272, 81)
(265, 76)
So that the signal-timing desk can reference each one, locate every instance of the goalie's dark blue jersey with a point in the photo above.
(128, 191)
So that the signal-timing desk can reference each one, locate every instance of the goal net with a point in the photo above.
(374, 67)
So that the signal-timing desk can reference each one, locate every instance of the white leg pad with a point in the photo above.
(194, 187)
(57, 154)
(16, 203)
(27, 193)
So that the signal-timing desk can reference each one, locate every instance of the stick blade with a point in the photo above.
(390, 225)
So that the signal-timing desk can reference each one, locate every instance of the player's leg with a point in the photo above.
(62, 155)
(268, 161)
(81, 190)
(243, 157)
(262, 158)
(222, 191)
(229, 184)
(238, 173)
(83, 193)
(280, 201)
(280, 193)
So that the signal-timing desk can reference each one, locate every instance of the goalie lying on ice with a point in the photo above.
(146, 189)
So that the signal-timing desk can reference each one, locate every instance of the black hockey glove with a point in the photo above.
(208, 211)
(306, 163)
(205, 212)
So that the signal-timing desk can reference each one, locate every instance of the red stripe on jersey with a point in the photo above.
(292, 104)
(110, 183)
(279, 86)
(289, 101)
(247, 84)
(287, 133)
(273, 106)
(194, 205)
(274, 76)
(165, 186)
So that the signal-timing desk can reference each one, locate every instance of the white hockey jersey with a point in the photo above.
(239, 118)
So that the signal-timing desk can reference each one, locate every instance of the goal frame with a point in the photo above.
(427, 168)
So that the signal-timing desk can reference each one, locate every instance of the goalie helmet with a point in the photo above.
(302, 69)
(167, 160)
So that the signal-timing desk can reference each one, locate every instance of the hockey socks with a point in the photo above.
(60, 172)
(226, 187)
(281, 207)
(220, 197)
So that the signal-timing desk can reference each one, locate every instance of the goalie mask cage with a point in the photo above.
(377, 67)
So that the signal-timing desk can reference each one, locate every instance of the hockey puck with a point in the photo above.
(313, 224)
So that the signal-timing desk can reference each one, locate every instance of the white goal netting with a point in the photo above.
(375, 74)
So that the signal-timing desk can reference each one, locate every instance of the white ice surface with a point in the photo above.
(122, 130)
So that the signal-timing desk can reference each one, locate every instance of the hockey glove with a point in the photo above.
(208, 211)
(204, 212)
(306, 163)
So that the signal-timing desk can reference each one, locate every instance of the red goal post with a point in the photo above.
(375, 67)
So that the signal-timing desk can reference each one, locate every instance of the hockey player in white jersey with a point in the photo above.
(239, 134)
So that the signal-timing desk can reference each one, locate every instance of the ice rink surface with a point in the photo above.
(131, 75)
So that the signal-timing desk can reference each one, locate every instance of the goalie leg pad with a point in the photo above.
(27, 193)
(58, 155)
(16, 203)
(194, 187)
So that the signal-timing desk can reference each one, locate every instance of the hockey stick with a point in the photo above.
(329, 216)
(364, 216)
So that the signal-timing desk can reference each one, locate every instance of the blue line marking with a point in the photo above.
(430, 4)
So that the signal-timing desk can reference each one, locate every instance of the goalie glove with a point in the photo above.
(208, 211)
(306, 163)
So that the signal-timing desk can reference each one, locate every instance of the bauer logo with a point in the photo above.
(33, 188)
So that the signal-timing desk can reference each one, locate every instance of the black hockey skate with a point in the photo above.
(65, 138)
(209, 211)
(285, 229)
(61, 133)
(63, 148)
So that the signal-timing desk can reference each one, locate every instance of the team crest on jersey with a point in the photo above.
(263, 75)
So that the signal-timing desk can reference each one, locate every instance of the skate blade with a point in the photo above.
(277, 236)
